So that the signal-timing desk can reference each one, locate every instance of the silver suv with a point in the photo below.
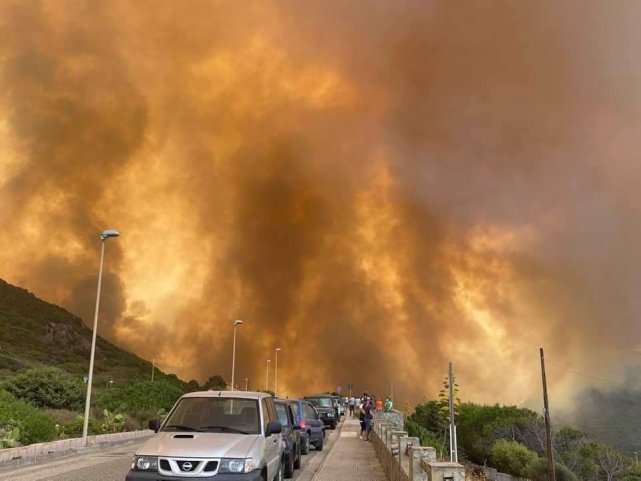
(217, 435)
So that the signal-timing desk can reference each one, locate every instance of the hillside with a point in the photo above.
(36, 333)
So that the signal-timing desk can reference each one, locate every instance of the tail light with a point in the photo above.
(302, 424)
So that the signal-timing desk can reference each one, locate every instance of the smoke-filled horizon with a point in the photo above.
(376, 187)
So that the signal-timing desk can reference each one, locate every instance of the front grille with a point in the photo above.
(187, 466)
(193, 468)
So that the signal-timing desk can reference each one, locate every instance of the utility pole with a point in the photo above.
(548, 430)
(453, 443)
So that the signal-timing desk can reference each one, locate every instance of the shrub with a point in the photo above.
(538, 471)
(141, 400)
(47, 387)
(426, 437)
(113, 423)
(34, 426)
(73, 428)
(511, 457)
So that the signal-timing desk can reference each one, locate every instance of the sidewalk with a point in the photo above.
(351, 458)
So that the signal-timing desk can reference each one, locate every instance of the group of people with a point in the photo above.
(366, 404)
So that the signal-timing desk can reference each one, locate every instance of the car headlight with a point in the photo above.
(236, 465)
(330, 415)
(145, 463)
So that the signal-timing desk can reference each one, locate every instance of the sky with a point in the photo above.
(378, 188)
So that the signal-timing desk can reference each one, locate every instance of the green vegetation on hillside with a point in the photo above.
(44, 356)
(512, 440)
(36, 333)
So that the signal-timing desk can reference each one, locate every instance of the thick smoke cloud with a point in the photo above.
(378, 188)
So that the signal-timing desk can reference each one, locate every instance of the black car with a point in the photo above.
(291, 437)
(325, 405)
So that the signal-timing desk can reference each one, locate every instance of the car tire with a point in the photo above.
(297, 459)
(319, 444)
(289, 467)
(304, 448)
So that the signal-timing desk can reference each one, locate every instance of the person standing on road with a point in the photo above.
(361, 411)
(367, 418)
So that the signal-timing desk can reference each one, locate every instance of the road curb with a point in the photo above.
(43, 452)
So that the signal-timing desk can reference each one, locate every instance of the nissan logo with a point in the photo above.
(187, 466)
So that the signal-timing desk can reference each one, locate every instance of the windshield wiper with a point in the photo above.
(181, 428)
(225, 428)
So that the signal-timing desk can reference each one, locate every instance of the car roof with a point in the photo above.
(224, 394)
(317, 395)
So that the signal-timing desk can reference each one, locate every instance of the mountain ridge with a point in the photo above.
(34, 333)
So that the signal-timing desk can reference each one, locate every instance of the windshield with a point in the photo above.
(214, 414)
(323, 402)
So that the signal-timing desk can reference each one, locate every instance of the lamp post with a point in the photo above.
(104, 236)
(276, 371)
(267, 375)
(246, 383)
(636, 458)
(237, 323)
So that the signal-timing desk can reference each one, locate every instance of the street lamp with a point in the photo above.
(636, 458)
(276, 372)
(237, 323)
(267, 375)
(103, 237)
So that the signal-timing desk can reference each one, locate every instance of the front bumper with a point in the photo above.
(329, 421)
(155, 476)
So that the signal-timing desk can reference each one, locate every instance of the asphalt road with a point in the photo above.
(113, 464)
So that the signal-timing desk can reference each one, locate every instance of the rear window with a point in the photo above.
(281, 410)
(214, 414)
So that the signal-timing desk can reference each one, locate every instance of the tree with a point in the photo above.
(215, 383)
(193, 385)
(47, 387)
(568, 443)
(612, 463)
(512, 457)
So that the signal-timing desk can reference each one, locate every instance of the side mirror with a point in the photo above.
(273, 427)
(154, 425)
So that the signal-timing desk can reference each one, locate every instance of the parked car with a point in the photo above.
(291, 437)
(325, 405)
(312, 428)
(232, 435)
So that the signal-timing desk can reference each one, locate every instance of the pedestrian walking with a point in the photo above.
(351, 402)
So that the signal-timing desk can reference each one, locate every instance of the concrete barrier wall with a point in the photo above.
(40, 450)
(402, 456)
